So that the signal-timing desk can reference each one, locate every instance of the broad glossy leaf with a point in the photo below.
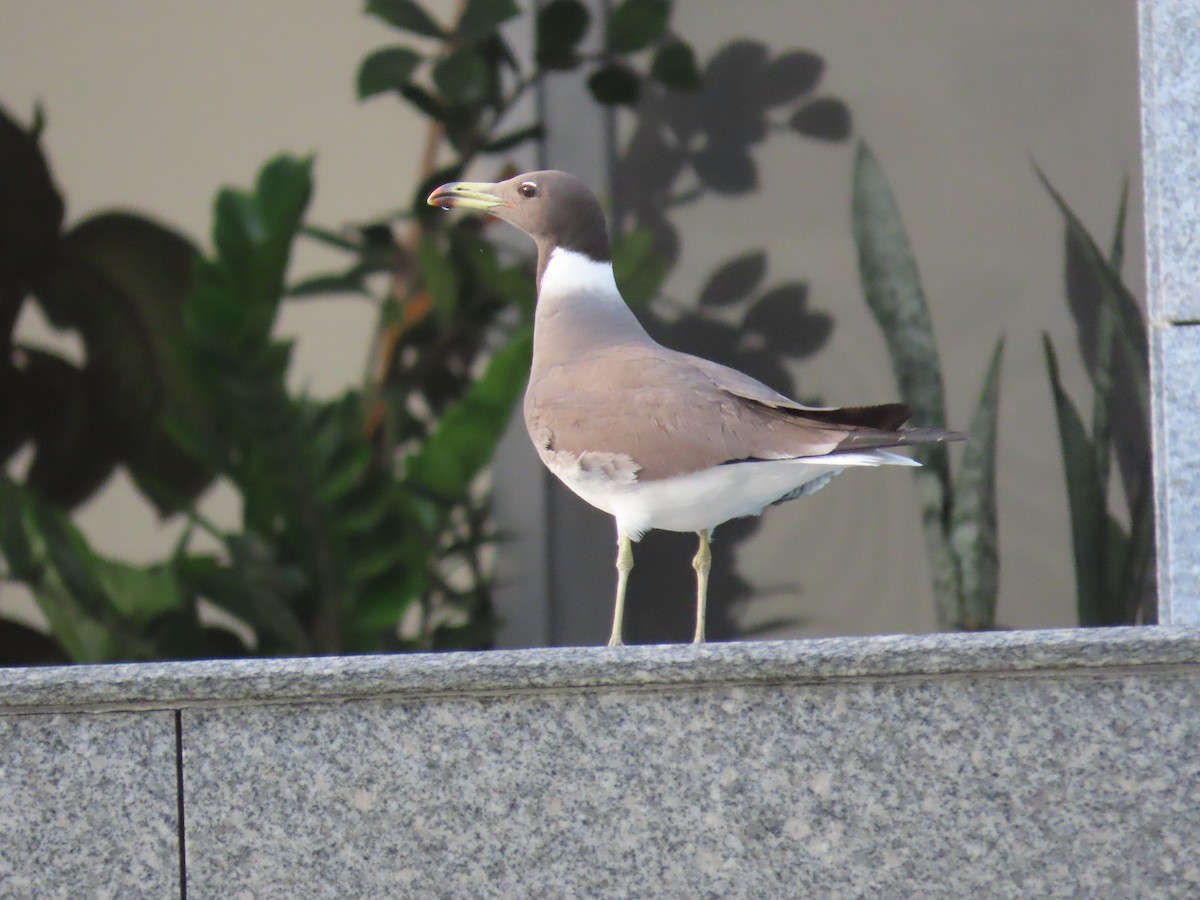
(973, 530)
(636, 24)
(407, 15)
(481, 18)
(462, 77)
(561, 25)
(385, 70)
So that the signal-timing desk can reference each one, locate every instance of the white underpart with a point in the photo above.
(569, 272)
(699, 501)
(704, 500)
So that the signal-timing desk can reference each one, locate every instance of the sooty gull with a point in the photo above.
(654, 437)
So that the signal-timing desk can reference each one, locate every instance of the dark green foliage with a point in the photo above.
(1113, 561)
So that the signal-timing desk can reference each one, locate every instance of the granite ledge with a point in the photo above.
(336, 679)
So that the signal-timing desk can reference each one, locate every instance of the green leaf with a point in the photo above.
(638, 269)
(462, 77)
(140, 594)
(893, 291)
(406, 15)
(1088, 505)
(440, 276)
(481, 18)
(75, 440)
(896, 299)
(15, 545)
(466, 436)
(636, 24)
(561, 25)
(973, 530)
(1116, 255)
(385, 70)
(615, 84)
(1131, 333)
(70, 556)
(123, 281)
(675, 66)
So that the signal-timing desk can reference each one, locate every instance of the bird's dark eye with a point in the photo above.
(528, 189)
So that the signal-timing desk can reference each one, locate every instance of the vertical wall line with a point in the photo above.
(179, 804)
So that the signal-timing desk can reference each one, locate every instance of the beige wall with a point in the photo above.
(153, 104)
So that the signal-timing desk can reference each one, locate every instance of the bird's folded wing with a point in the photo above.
(674, 414)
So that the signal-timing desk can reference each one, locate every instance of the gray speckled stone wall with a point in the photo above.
(1170, 136)
(1016, 764)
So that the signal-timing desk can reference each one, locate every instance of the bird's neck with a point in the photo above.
(579, 308)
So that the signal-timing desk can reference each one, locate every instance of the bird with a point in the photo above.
(652, 436)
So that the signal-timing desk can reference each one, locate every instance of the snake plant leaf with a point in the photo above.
(893, 291)
(973, 531)
(1087, 502)
(892, 286)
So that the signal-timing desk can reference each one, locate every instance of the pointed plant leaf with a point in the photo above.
(892, 286)
(387, 69)
(893, 291)
(1116, 254)
(973, 530)
(1088, 505)
(1094, 285)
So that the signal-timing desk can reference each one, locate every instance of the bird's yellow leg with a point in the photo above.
(703, 565)
(624, 567)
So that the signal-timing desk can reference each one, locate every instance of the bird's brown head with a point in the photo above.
(553, 208)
